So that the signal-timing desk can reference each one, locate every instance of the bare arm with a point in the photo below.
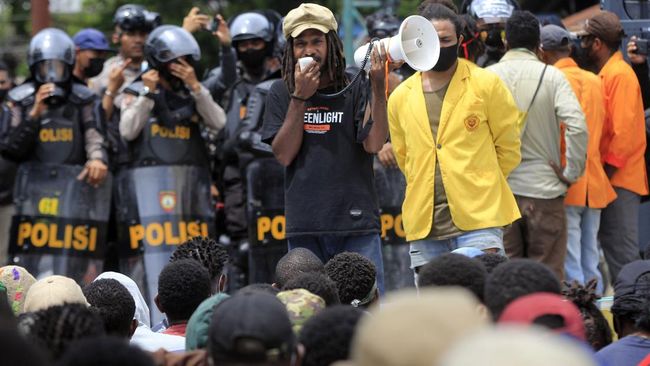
(379, 131)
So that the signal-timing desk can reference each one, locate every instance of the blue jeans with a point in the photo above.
(422, 251)
(581, 263)
(327, 246)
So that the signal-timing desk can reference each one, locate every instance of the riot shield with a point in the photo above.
(266, 222)
(159, 208)
(61, 222)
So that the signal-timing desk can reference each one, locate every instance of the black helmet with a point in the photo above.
(169, 42)
(51, 56)
(251, 25)
(131, 17)
(382, 24)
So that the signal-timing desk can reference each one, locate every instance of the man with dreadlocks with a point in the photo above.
(326, 142)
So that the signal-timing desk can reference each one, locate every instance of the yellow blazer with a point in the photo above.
(477, 146)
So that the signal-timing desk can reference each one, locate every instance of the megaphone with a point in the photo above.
(416, 43)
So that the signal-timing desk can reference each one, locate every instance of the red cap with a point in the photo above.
(527, 308)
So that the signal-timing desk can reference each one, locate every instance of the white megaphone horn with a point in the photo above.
(417, 44)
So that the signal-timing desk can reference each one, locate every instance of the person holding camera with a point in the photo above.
(623, 145)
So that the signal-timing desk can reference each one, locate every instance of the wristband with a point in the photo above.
(293, 96)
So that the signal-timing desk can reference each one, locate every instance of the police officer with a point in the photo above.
(7, 168)
(53, 121)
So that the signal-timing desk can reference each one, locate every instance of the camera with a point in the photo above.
(641, 46)
(213, 25)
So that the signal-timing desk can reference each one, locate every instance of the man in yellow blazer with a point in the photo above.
(455, 136)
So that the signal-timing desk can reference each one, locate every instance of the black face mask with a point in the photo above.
(252, 59)
(95, 67)
(448, 56)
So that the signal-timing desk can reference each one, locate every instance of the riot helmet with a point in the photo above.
(51, 59)
(133, 17)
(381, 25)
(490, 11)
(166, 44)
(249, 26)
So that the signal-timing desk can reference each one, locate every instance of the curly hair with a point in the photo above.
(439, 11)
(113, 303)
(296, 262)
(491, 260)
(207, 251)
(522, 30)
(54, 329)
(449, 4)
(105, 351)
(327, 336)
(335, 61)
(182, 286)
(584, 297)
(454, 270)
(354, 275)
(516, 278)
(318, 284)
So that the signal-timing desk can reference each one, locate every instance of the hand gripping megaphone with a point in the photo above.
(417, 44)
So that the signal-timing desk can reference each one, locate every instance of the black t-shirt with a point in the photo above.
(329, 186)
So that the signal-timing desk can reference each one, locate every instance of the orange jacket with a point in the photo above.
(623, 143)
(593, 189)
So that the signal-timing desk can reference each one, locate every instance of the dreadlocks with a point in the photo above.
(335, 61)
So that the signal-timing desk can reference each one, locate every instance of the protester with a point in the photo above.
(517, 278)
(318, 284)
(454, 270)
(114, 304)
(631, 288)
(105, 351)
(632, 349)
(196, 335)
(91, 51)
(539, 183)
(182, 287)
(623, 144)
(326, 145)
(355, 277)
(472, 46)
(301, 305)
(456, 153)
(296, 262)
(16, 281)
(7, 168)
(53, 290)
(584, 297)
(211, 254)
(241, 334)
(327, 336)
(587, 196)
(491, 17)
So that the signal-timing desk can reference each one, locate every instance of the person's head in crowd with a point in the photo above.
(105, 351)
(449, 4)
(17, 281)
(491, 17)
(584, 297)
(491, 261)
(196, 336)
(16, 350)
(310, 30)
(447, 24)
(327, 336)
(253, 35)
(55, 328)
(516, 346)
(472, 46)
(262, 287)
(517, 278)
(53, 290)
(522, 31)
(415, 329)
(115, 306)
(241, 334)
(555, 43)
(296, 262)
(631, 288)
(211, 254)
(182, 287)
(355, 277)
(132, 24)
(6, 80)
(141, 308)
(601, 38)
(91, 51)
(547, 310)
(318, 284)
(301, 305)
(382, 24)
(454, 270)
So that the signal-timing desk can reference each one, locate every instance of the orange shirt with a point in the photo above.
(593, 188)
(623, 143)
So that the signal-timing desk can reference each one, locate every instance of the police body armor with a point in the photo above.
(171, 136)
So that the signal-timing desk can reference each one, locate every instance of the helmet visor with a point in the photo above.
(51, 71)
